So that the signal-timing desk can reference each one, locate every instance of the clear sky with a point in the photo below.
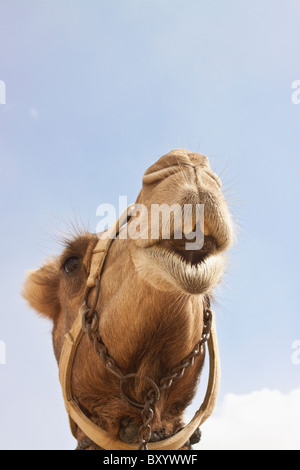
(97, 91)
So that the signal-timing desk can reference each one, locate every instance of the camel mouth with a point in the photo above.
(179, 260)
(188, 256)
(190, 271)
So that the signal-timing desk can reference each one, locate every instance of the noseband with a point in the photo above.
(87, 322)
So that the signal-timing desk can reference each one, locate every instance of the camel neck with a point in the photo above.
(138, 320)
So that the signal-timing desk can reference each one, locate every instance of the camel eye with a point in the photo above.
(71, 264)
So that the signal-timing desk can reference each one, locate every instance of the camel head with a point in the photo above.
(158, 273)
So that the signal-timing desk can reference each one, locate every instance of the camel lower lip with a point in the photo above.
(191, 278)
(166, 265)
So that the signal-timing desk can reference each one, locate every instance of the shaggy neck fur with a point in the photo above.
(162, 327)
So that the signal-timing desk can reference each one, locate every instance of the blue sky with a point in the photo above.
(96, 92)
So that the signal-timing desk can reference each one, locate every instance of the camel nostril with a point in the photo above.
(198, 159)
(214, 177)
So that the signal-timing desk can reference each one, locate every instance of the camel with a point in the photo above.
(150, 306)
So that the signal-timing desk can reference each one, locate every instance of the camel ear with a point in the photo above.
(41, 290)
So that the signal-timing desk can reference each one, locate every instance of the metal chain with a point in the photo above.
(178, 371)
(90, 325)
(166, 382)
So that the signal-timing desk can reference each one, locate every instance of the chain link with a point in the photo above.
(90, 325)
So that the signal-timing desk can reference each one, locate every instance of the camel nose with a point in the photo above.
(197, 159)
(174, 162)
(183, 157)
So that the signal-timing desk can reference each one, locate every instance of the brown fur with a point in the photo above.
(149, 319)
